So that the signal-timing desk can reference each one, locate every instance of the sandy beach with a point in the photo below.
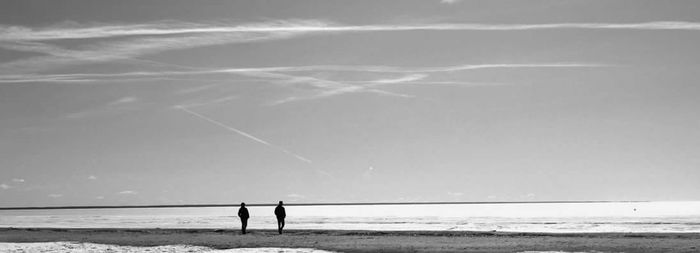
(367, 241)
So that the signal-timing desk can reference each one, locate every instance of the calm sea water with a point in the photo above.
(662, 217)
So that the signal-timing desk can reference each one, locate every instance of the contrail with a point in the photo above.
(295, 27)
(278, 72)
(244, 134)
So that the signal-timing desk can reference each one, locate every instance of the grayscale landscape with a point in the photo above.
(349, 126)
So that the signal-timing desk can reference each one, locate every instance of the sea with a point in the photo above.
(638, 217)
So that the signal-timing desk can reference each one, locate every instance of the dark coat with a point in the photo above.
(280, 213)
(243, 213)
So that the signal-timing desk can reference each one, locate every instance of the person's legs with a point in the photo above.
(244, 224)
(280, 225)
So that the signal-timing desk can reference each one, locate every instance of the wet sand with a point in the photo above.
(369, 241)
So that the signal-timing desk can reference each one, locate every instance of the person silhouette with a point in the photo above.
(281, 214)
(244, 215)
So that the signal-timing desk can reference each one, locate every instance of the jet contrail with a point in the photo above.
(244, 134)
(285, 28)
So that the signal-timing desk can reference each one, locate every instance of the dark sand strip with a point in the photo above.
(369, 241)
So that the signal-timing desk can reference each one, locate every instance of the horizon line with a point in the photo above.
(323, 204)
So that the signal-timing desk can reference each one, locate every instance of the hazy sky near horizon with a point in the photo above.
(167, 102)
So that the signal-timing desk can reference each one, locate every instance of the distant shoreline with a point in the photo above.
(365, 241)
(329, 204)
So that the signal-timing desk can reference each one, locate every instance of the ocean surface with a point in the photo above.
(657, 217)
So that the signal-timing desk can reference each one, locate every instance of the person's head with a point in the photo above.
(242, 204)
(280, 203)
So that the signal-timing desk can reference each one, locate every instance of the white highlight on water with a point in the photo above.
(653, 217)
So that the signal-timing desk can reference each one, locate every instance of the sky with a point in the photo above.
(183, 102)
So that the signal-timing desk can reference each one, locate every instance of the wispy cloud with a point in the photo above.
(55, 195)
(399, 69)
(124, 43)
(124, 100)
(278, 73)
(118, 105)
(127, 192)
(5, 186)
(197, 89)
(403, 79)
(303, 76)
(209, 102)
(73, 31)
(78, 31)
(326, 88)
(92, 177)
(119, 42)
(18, 180)
(110, 42)
(450, 1)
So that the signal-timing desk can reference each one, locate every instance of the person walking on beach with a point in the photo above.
(244, 215)
(280, 213)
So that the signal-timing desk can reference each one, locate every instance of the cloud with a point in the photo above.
(280, 75)
(121, 42)
(115, 42)
(197, 89)
(296, 76)
(331, 88)
(209, 102)
(100, 197)
(127, 192)
(5, 186)
(398, 69)
(78, 31)
(78, 115)
(54, 195)
(291, 76)
(328, 88)
(118, 105)
(457, 83)
(450, 1)
(124, 42)
(324, 87)
(329, 92)
(124, 100)
(92, 177)
(403, 79)
(18, 180)
(253, 30)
